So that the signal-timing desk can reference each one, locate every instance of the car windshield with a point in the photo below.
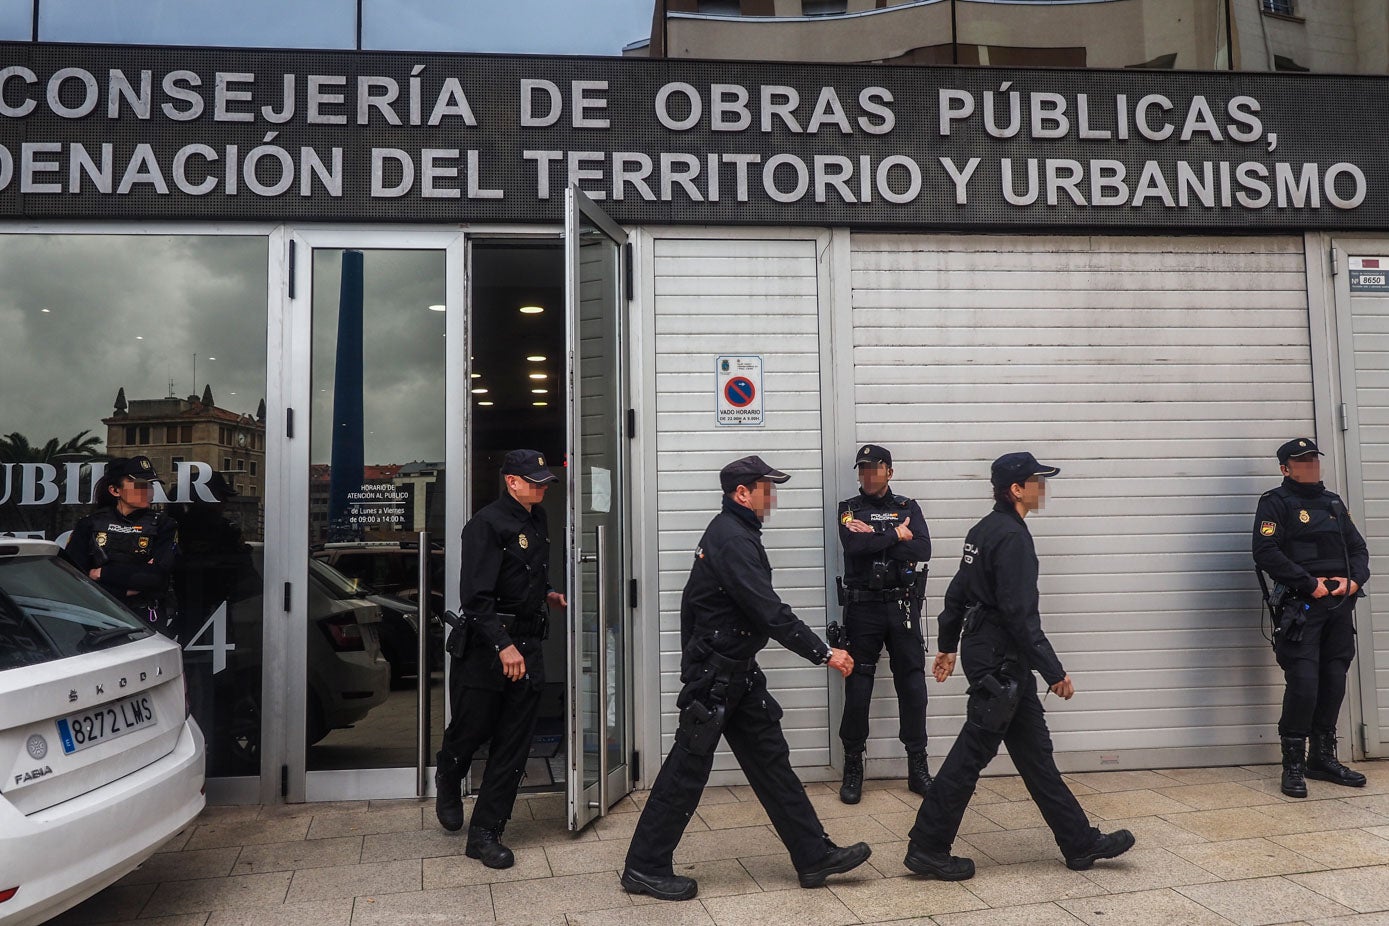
(48, 611)
(337, 585)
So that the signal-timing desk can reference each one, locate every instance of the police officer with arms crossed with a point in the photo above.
(495, 684)
(884, 538)
(1304, 539)
(991, 613)
(728, 612)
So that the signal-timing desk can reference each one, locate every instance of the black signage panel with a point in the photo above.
(128, 132)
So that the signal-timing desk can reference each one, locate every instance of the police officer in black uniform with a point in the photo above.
(495, 685)
(728, 612)
(885, 540)
(1304, 539)
(126, 546)
(991, 614)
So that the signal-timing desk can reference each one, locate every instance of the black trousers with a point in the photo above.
(1029, 746)
(870, 625)
(504, 718)
(1314, 671)
(751, 723)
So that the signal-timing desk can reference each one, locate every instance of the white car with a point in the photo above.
(101, 763)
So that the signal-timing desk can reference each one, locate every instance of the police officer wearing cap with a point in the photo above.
(885, 543)
(495, 683)
(991, 614)
(1305, 541)
(728, 612)
(126, 546)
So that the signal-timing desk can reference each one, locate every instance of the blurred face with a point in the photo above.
(761, 498)
(874, 477)
(1032, 494)
(1305, 469)
(525, 491)
(133, 494)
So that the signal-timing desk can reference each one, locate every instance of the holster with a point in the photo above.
(1292, 617)
(836, 636)
(993, 702)
(460, 629)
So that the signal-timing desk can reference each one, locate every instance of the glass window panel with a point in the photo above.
(246, 23)
(593, 27)
(16, 20)
(109, 347)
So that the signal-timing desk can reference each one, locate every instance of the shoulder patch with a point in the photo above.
(1268, 528)
(846, 517)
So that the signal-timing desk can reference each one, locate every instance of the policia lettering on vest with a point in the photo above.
(1304, 539)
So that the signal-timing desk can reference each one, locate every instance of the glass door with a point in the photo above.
(599, 724)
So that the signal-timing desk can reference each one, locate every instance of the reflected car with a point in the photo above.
(102, 763)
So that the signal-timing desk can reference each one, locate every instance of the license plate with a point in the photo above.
(87, 729)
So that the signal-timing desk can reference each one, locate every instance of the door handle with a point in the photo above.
(601, 646)
(422, 670)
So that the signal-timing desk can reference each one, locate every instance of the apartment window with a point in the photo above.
(130, 435)
(185, 434)
(253, 468)
(226, 464)
(142, 434)
(1282, 7)
(241, 466)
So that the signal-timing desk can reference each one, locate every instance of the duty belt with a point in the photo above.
(725, 664)
(862, 595)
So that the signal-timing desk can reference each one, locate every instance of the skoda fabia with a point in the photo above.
(101, 763)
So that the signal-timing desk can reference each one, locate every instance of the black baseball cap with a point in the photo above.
(872, 453)
(133, 467)
(1016, 468)
(529, 465)
(1297, 447)
(747, 469)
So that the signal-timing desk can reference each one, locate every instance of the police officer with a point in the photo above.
(991, 614)
(127, 547)
(1304, 539)
(495, 685)
(885, 539)
(728, 612)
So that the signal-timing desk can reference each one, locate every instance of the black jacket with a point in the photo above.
(884, 514)
(135, 553)
(1303, 531)
(506, 569)
(729, 605)
(999, 571)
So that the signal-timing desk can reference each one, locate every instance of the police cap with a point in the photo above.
(748, 469)
(872, 453)
(133, 467)
(1297, 447)
(1016, 468)
(529, 465)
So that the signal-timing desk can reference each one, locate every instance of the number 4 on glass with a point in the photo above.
(219, 647)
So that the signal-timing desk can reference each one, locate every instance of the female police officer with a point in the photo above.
(992, 601)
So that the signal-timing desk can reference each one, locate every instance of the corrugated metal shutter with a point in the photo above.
(1159, 374)
(745, 297)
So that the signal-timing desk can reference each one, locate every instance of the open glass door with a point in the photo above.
(597, 710)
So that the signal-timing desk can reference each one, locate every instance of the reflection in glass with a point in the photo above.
(246, 23)
(115, 346)
(558, 27)
(376, 478)
(16, 20)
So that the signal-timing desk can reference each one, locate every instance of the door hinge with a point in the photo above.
(284, 781)
(288, 598)
(1364, 740)
(289, 422)
(1343, 416)
(627, 273)
(1335, 263)
(636, 762)
(631, 423)
(292, 264)
(631, 593)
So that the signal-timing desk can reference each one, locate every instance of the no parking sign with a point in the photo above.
(738, 391)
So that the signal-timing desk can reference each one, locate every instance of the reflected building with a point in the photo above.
(1322, 36)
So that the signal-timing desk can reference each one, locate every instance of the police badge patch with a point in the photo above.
(1303, 516)
(101, 538)
(523, 541)
(846, 517)
(1267, 528)
(142, 544)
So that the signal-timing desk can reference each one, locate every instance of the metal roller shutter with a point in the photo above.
(1159, 374)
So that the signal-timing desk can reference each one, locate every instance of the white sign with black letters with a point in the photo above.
(1369, 274)
(738, 392)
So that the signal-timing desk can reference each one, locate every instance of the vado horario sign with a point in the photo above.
(107, 132)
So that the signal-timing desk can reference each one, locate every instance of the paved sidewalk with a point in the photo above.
(1215, 846)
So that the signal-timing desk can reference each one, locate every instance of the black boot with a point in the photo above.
(851, 790)
(1294, 766)
(448, 793)
(918, 772)
(662, 887)
(1108, 845)
(485, 844)
(940, 865)
(837, 861)
(1323, 765)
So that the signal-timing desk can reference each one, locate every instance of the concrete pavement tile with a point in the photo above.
(1012, 815)
(667, 914)
(1007, 787)
(449, 906)
(1364, 890)
(1030, 882)
(228, 813)
(184, 866)
(713, 795)
(116, 904)
(1245, 858)
(571, 894)
(983, 794)
(1145, 908)
(845, 831)
(389, 820)
(1273, 788)
(805, 908)
(742, 793)
(1261, 901)
(248, 833)
(1144, 869)
(1381, 831)
(1375, 803)
(288, 856)
(830, 807)
(879, 899)
(459, 871)
(1339, 848)
(731, 816)
(397, 803)
(1207, 776)
(900, 824)
(1311, 816)
(1039, 914)
(178, 841)
(582, 857)
(717, 844)
(1154, 832)
(1011, 847)
(541, 832)
(215, 893)
(1216, 796)
(722, 878)
(355, 881)
(546, 806)
(321, 913)
(1231, 823)
(431, 842)
(626, 805)
(1355, 919)
(185, 919)
(282, 811)
(1118, 804)
(776, 873)
(1122, 780)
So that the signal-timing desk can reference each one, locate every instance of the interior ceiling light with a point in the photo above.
(531, 309)
(480, 390)
(540, 376)
(438, 308)
(533, 358)
(540, 404)
(475, 375)
(539, 391)
(486, 402)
